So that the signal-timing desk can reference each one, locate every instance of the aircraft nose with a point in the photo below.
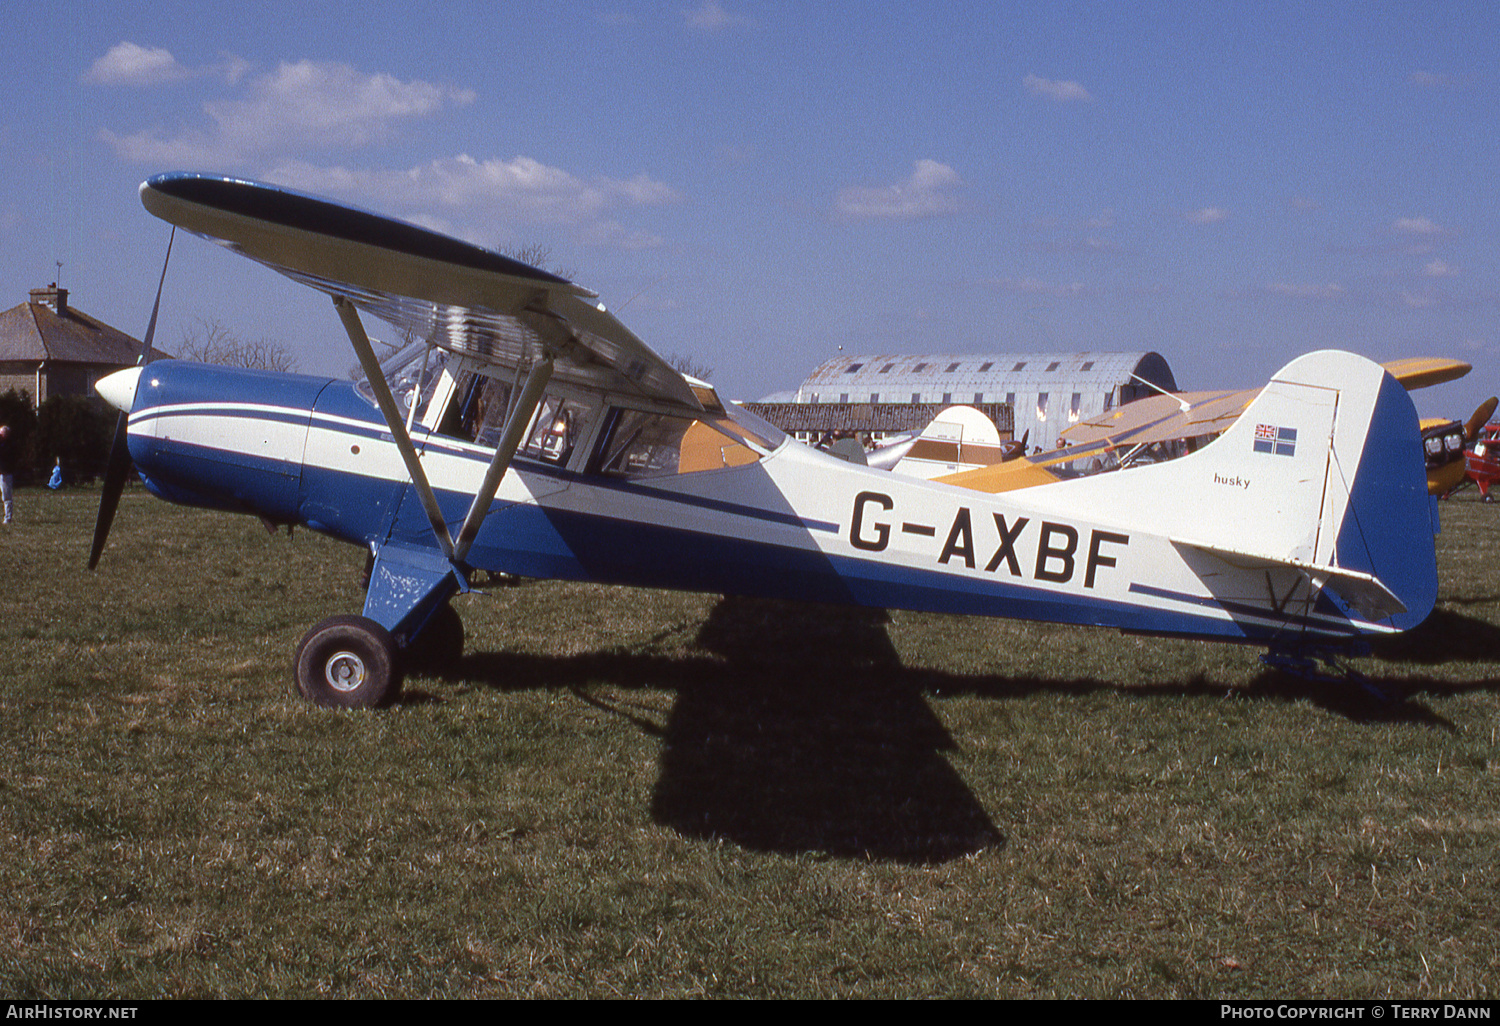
(118, 389)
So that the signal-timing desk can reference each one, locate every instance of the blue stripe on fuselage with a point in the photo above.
(1329, 625)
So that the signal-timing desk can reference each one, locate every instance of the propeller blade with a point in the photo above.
(117, 471)
(1480, 419)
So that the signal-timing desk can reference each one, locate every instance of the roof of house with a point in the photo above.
(36, 331)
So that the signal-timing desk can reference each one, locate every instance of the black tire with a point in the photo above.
(348, 662)
(440, 646)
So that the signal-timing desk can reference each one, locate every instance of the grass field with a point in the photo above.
(651, 794)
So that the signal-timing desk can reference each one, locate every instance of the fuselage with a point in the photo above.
(784, 521)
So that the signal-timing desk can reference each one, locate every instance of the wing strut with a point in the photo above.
(387, 402)
(520, 415)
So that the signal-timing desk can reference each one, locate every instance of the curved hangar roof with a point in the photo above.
(1048, 391)
(961, 373)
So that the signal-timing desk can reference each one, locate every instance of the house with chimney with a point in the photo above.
(49, 348)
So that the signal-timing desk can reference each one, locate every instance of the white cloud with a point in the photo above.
(329, 102)
(1086, 245)
(710, 16)
(149, 148)
(1060, 92)
(927, 193)
(127, 63)
(231, 68)
(1331, 290)
(1439, 269)
(1207, 215)
(1430, 80)
(446, 194)
(306, 103)
(1031, 286)
(1417, 226)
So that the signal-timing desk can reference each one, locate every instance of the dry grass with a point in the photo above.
(650, 794)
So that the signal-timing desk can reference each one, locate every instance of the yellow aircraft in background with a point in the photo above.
(1164, 426)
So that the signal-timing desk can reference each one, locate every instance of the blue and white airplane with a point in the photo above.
(525, 430)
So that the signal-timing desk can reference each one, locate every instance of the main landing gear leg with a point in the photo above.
(355, 662)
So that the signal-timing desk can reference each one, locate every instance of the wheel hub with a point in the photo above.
(344, 671)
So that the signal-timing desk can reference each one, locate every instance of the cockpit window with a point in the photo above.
(479, 413)
(642, 445)
(482, 405)
(559, 425)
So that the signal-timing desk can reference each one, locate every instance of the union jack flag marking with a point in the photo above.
(1281, 441)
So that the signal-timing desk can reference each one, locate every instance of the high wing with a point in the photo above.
(459, 296)
(1164, 418)
(1424, 371)
(453, 294)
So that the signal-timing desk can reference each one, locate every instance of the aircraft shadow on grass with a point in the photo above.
(818, 743)
(1446, 636)
(799, 730)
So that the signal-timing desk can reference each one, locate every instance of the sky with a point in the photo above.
(753, 185)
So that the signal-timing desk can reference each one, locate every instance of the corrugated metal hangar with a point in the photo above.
(1045, 391)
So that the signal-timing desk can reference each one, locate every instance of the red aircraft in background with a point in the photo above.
(1482, 461)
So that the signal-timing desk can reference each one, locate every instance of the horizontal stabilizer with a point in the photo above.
(1361, 591)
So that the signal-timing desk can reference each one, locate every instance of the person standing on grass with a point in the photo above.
(7, 470)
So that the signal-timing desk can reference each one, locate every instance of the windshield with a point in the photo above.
(412, 372)
(766, 434)
(638, 444)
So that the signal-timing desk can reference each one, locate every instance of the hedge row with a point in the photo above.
(72, 428)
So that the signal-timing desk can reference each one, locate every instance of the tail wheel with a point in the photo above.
(348, 662)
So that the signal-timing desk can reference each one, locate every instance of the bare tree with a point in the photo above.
(536, 255)
(684, 364)
(208, 341)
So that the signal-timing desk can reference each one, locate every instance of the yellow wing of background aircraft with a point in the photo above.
(1164, 426)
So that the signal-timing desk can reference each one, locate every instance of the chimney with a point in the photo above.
(53, 296)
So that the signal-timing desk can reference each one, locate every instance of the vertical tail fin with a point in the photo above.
(1323, 473)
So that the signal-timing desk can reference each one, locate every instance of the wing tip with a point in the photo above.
(176, 196)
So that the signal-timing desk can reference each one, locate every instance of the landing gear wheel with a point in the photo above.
(440, 646)
(348, 662)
